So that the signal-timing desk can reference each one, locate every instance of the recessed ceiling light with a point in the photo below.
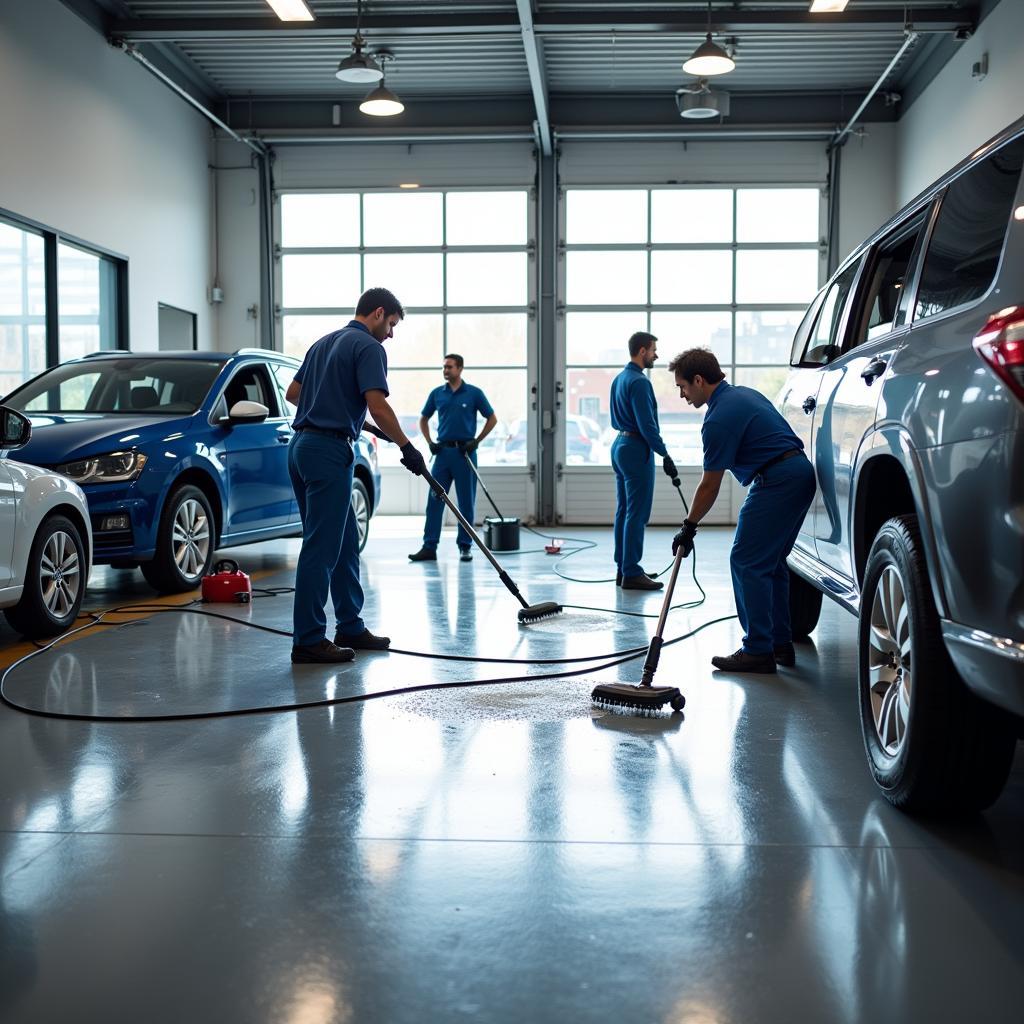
(291, 10)
(409, 184)
(828, 6)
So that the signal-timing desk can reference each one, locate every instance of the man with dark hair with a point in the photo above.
(744, 433)
(634, 415)
(343, 375)
(456, 404)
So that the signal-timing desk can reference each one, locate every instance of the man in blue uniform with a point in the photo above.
(343, 375)
(635, 416)
(456, 404)
(744, 433)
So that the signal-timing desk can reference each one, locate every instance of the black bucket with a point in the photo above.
(501, 534)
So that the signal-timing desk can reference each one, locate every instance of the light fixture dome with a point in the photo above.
(359, 67)
(382, 102)
(700, 103)
(709, 59)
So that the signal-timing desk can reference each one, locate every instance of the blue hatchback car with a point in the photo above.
(179, 453)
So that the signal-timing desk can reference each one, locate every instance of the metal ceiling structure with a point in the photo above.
(540, 65)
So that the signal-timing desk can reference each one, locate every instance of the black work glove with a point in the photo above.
(670, 467)
(434, 447)
(470, 446)
(684, 538)
(412, 459)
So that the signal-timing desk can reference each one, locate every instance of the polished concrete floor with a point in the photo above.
(500, 853)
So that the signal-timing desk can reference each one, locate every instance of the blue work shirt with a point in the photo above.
(335, 375)
(456, 410)
(633, 407)
(742, 431)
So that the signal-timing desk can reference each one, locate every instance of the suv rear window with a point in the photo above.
(965, 246)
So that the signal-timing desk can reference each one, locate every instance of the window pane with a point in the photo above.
(777, 214)
(777, 276)
(588, 428)
(408, 391)
(617, 215)
(86, 302)
(328, 220)
(768, 381)
(402, 218)
(327, 282)
(488, 339)
(414, 277)
(601, 338)
(418, 341)
(691, 215)
(677, 332)
(702, 278)
(885, 292)
(964, 250)
(506, 391)
(606, 278)
(301, 331)
(22, 307)
(487, 279)
(486, 218)
(680, 424)
(766, 337)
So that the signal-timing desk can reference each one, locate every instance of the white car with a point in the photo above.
(45, 539)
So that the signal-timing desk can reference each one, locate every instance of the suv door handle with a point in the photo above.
(283, 438)
(874, 369)
(809, 404)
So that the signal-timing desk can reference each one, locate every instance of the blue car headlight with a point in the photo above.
(117, 467)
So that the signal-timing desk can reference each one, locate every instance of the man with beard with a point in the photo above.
(634, 415)
(343, 376)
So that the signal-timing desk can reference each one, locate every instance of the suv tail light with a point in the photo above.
(1000, 343)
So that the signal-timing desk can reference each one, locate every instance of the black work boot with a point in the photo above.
(785, 655)
(364, 641)
(743, 662)
(642, 582)
(465, 555)
(424, 555)
(322, 653)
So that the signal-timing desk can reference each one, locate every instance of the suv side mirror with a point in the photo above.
(15, 429)
(246, 412)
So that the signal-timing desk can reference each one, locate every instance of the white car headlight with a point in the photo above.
(117, 467)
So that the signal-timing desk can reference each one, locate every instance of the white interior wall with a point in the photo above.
(867, 184)
(956, 113)
(96, 147)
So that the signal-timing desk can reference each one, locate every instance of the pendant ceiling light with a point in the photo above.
(709, 58)
(359, 67)
(382, 102)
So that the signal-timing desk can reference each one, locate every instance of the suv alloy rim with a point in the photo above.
(889, 661)
(190, 539)
(59, 575)
(360, 511)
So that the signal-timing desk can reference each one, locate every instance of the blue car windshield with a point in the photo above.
(134, 386)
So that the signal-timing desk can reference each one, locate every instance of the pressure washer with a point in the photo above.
(227, 584)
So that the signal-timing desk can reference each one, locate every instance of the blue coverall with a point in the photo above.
(456, 424)
(334, 377)
(635, 414)
(743, 432)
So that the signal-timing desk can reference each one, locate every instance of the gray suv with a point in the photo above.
(907, 389)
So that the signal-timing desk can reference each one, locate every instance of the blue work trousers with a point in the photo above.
(450, 466)
(766, 530)
(633, 462)
(321, 470)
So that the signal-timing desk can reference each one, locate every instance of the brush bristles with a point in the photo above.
(633, 710)
(544, 611)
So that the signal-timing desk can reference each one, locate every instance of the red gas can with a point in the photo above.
(227, 583)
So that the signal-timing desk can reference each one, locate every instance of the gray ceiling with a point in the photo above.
(460, 64)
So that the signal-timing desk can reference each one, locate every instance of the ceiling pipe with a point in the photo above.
(721, 134)
(845, 130)
(406, 138)
(132, 51)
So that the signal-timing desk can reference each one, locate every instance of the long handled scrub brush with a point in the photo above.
(529, 612)
(645, 698)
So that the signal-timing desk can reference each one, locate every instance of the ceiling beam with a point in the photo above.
(925, 19)
(538, 78)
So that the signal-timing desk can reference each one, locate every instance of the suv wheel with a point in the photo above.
(54, 581)
(361, 511)
(184, 544)
(931, 745)
(804, 606)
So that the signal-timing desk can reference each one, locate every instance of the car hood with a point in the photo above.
(58, 438)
